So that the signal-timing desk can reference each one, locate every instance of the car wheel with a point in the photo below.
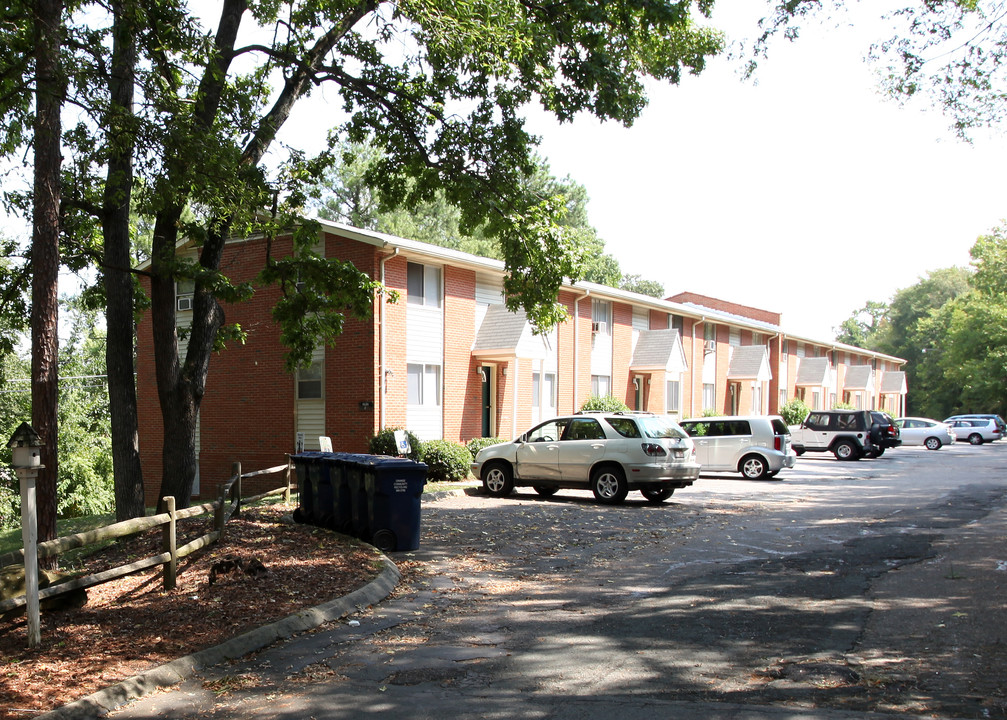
(754, 467)
(772, 474)
(657, 496)
(871, 454)
(932, 443)
(976, 439)
(845, 450)
(879, 452)
(609, 485)
(798, 451)
(498, 480)
(545, 491)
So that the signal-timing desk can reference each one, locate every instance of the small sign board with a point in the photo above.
(402, 442)
(325, 443)
(299, 445)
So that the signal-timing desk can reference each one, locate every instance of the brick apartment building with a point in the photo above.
(448, 360)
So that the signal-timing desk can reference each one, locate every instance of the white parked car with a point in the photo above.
(931, 434)
(757, 446)
(976, 431)
(608, 453)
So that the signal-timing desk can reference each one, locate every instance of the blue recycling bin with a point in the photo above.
(394, 487)
(341, 518)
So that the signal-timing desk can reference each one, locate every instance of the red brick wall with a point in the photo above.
(725, 306)
(462, 386)
(622, 352)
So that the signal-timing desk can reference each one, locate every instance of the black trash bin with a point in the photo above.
(307, 470)
(342, 518)
(394, 487)
(353, 467)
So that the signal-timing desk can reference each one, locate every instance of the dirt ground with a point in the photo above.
(131, 624)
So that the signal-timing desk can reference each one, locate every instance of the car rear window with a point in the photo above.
(625, 426)
(780, 427)
(658, 427)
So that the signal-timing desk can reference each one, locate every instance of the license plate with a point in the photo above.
(679, 454)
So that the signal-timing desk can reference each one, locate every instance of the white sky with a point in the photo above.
(807, 194)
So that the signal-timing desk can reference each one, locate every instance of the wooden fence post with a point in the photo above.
(170, 544)
(236, 473)
(218, 512)
(286, 490)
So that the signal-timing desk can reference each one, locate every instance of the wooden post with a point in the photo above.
(218, 512)
(29, 534)
(236, 473)
(286, 490)
(170, 544)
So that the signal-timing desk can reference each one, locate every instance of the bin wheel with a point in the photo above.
(384, 540)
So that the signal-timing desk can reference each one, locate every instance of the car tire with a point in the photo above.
(609, 485)
(798, 451)
(932, 443)
(846, 450)
(975, 439)
(498, 479)
(657, 496)
(754, 467)
(545, 490)
(879, 452)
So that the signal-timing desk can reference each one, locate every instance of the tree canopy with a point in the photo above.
(950, 53)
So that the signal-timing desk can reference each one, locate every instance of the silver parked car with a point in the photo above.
(608, 453)
(931, 434)
(756, 446)
(976, 431)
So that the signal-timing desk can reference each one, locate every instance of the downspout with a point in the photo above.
(576, 347)
(382, 379)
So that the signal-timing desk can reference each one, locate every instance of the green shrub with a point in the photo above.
(603, 403)
(843, 406)
(446, 461)
(711, 412)
(476, 444)
(794, 411)
(384, 444)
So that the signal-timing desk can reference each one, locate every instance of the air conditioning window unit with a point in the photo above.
(710, 346)
(599, 327)
(184, 302)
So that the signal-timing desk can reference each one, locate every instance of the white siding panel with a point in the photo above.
(601, 354)
(425, 422)
(424, 335)
(311, 422)
(489, 291)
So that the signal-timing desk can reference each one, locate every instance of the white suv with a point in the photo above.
(756, 446)
(844, 433)
(608, 453)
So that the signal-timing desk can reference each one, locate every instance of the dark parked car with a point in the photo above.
(885, 433)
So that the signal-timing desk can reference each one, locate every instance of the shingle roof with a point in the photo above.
(655, 350)
(506, 334)
(893, 382)
(859, 377)
(749, 362)
(813, 372)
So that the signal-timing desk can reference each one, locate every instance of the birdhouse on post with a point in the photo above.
(26, 448)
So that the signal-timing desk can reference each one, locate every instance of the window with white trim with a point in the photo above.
(673, 396)
(601, 316)
(601, 385)
(424, 383)
(309, 382)
(423, 285)
(709, 396)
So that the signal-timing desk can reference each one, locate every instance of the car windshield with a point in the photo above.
(659, 427)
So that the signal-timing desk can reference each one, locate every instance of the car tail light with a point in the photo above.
(778, 443)
(654, 450)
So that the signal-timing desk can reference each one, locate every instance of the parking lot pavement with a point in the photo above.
(840, 590)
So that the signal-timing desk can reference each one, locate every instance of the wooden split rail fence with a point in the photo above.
(227, 505)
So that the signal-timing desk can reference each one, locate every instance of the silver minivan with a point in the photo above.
(757, 446)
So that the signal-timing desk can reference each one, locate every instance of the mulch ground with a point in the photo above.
(132, 624)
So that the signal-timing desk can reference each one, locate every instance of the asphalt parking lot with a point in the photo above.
(836, 590)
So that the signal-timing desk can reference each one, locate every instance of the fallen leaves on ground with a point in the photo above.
(132, 624)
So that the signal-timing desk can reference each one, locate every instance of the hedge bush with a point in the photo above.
(446, 461)
(603, 403)
(476, 444)
(384, 444)
(794, 411)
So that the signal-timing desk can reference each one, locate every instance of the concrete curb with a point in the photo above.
(100, 703)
